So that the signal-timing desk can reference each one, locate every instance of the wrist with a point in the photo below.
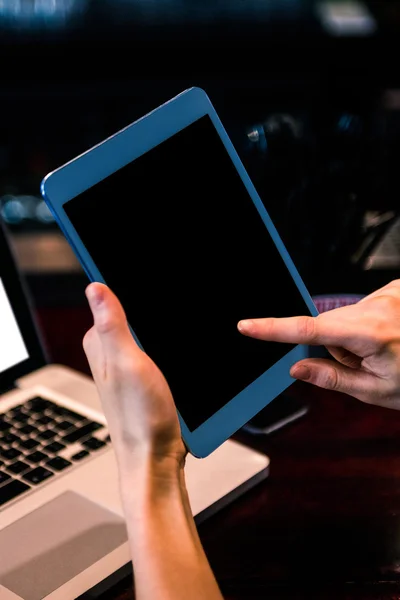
(149, 477)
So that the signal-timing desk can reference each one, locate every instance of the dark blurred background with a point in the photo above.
(309, 92)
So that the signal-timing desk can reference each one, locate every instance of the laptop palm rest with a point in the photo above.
(56, 542)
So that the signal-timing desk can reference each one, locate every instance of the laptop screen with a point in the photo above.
(21, 350)
(13, 349)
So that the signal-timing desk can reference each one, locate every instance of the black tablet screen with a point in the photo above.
(177, 237)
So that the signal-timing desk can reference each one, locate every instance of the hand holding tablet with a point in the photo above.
(164, 213)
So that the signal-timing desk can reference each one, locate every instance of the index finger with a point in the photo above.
(313, 331)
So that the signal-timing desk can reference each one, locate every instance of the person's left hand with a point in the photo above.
(136, 399)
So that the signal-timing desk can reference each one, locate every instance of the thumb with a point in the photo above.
(327, 374)
(109, 318)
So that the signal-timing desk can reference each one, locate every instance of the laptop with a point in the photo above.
(62, 529)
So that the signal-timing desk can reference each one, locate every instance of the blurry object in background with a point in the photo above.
(257, 138)
(346, 18)
(274, 150)
(37, 14)
(328, 178)
(24, 210)
(283, 128)
(44, 253)
(282, 411)
(39, 245)
(198, 11)
(12, 210)
(386, 253)
(383, 228)
(279, 129)
(391, 99)
(332, 301)
(375, 228)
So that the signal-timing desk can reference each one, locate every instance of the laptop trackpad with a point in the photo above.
(45, 549)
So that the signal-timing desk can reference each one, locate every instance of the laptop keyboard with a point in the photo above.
(40, 439)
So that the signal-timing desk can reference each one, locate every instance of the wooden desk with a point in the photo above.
(325, 525)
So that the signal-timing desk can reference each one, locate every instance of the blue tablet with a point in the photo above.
(165, 214)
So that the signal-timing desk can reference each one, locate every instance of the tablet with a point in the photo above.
(165, 214)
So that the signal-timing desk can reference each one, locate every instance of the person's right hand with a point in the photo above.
(364, 338)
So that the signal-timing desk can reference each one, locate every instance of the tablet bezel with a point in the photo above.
(107, 157)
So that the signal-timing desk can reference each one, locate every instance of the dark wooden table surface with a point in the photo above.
(324, 525)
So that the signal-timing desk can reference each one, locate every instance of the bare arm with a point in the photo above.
(168, 558)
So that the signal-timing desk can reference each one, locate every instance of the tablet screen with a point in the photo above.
(177, 237)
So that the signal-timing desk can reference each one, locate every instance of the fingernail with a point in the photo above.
(245, 325)
(94, 294)
(300, 372)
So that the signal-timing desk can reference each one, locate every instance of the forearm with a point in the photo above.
(168, 559)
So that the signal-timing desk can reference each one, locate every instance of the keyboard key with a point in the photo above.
(67, 414)
(4, 477)
(38, 404)
(20, 417)
(84, 431)
(54, 447)
(29, 444)
(36, 457)
(48, 434)
(11, 490)
(27, 429)
(37, 475)
(80, 455)
(44, 420)
(10, 454)
(9, 438)
(64, 425)
(93, 443)
(16, 410)
(56, 409)
(70, 415)
(18, 467)
(70, 450)
(4, 425)
(58, 463)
